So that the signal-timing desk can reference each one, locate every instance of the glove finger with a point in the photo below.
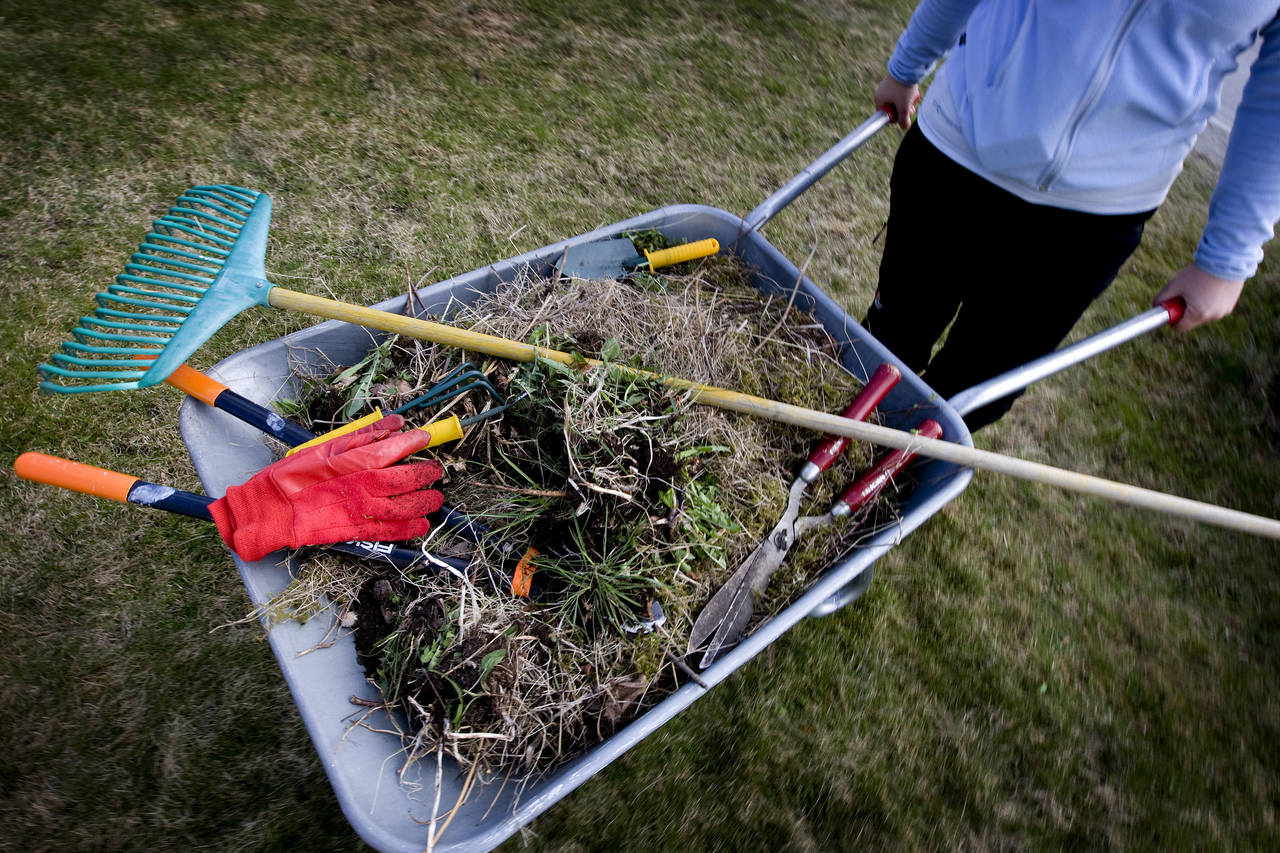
(381, 452)
(367, 529)
(312, 459)
(361, 437)
(391, 423)
(327, 460)
(316, 464)
(401, 507)
(396, 479)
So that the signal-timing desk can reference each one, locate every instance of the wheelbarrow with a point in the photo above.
(389, 806)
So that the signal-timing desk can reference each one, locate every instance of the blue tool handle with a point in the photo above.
(170, 499)
(264, 419)
(192, 505)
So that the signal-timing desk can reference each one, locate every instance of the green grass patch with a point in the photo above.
(1030, 670)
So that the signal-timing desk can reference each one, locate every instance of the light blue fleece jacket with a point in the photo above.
(1092, 105)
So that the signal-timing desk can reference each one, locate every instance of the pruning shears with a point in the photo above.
(727, 614)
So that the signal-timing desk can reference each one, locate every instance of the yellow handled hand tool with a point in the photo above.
(602, 259)
(445, 429)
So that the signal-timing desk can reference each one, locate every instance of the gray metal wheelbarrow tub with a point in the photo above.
(389, 809)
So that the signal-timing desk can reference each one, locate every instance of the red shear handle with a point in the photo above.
(880, 384)
(1176, 308)
(871, 483)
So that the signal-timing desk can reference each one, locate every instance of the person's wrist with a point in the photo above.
(1216, 277)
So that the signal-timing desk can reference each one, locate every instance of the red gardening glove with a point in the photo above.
(334, 492)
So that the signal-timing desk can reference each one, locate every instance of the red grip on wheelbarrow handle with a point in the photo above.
(881, 383)
(1176, 307)
(874, 480)
(891, 111)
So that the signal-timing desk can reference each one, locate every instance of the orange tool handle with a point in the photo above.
(192, 382)
(196, 384)
(522, 577)
(76, 476)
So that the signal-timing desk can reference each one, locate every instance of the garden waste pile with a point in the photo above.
(609, 508)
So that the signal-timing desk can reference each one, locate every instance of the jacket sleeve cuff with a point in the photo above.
(1223, 264)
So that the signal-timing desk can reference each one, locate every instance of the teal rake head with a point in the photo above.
(201, 264)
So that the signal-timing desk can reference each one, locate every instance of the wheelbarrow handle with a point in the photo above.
(1166, 313)
(812, 173)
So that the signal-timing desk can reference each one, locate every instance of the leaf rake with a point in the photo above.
(200, 265)
(203, 263)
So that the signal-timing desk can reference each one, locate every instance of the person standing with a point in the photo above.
(1051, 133)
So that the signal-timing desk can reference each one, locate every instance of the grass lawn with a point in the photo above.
(1032, 669)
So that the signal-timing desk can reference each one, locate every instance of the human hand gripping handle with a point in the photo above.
(1205, 297)
(898, 100)
(334, 492)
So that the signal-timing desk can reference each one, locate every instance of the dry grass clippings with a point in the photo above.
(617, 491)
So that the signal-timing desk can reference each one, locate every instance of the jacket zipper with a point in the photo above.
(1099, 82)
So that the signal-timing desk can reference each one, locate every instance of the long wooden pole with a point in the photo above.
(824, 422)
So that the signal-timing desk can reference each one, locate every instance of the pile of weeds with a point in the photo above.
(605, 500)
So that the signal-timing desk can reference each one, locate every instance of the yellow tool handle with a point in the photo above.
(445, 429)
(723, 398)
(685, 252)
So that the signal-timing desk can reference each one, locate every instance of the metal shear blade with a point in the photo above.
(730, 609)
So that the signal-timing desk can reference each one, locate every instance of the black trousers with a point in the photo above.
(1014, 276)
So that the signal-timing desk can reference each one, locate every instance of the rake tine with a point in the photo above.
(104, 298)
(143, 268)
(491, 411)
(73, 346)
(63, 358)
(202, 247)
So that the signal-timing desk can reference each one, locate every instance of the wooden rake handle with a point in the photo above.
(723, 398)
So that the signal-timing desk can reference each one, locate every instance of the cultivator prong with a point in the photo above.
(164, 286)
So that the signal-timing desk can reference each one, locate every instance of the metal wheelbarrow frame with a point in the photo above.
(389, 808)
